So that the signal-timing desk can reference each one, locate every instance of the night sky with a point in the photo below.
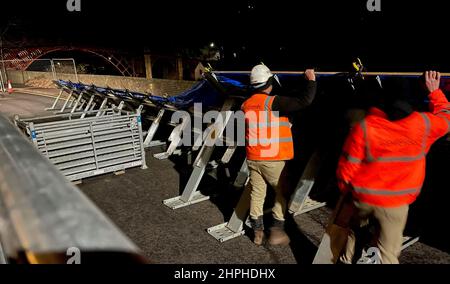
(291, 35)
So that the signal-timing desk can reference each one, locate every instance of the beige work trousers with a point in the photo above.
(263, 173)
(392, 222)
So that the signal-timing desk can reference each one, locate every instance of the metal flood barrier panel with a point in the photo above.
(85, 147)
(47, 220)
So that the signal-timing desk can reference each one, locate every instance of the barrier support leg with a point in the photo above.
(56, 100)
(300, 202)
(175, 139)
(190, 194)
(63, 108)
(102, 107)
(77, 103)
(153, 128)
(139, 121)
(235, 226)
(86, 109)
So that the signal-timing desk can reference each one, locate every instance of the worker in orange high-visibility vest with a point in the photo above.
(269, 145)
(383, 164)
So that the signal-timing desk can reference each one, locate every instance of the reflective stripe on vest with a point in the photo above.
(446, 120)
(386, 192)
(268, 124)
(379, 180)
(269, 141)
(372, 159)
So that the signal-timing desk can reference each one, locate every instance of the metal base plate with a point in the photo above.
(176, 202)
(409, 241)
(222, 233)
(166, 155)
(309, 205)
(2, 256)
(156, 143)
(161, 156)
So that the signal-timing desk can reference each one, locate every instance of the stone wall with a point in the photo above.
(158, 87)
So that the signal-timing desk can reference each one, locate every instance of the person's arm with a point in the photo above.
(352, 157)
(288, 105)
(439, 107)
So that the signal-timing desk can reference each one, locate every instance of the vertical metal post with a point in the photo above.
(180, 68)
(81, 105)
(102, 106)
(2, 87)
(93, 106)
(72, 100)
(2, 256)
(86, 109)
(67, 101)
(77, 102)
(56, 100)
(148, 66)
(75, 70)
(52, 65)
(139, 123)
(91, 129)
(1, 56)
(32, 133)
(152, 130)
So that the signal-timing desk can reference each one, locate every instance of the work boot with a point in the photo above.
(258, 229)
(259, 236)
(277, 234)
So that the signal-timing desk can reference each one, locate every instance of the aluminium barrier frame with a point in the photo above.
(214, 133)
(82, 146)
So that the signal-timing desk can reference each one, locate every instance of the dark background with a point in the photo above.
(405, 35)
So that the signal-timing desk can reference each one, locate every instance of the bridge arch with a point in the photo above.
(21, 59)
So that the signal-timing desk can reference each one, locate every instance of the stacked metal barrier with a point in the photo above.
(84, 98)
(84, 146)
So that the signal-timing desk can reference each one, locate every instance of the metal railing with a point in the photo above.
(46, 219)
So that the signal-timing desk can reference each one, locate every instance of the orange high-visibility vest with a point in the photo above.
(268, 136)
(384, 161)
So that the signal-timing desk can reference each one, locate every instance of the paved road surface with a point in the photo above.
(134, 202)
(24, 105)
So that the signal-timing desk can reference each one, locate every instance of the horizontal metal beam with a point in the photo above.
(334, 73)
(44, 216)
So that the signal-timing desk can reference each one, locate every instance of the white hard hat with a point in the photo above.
(260, 75)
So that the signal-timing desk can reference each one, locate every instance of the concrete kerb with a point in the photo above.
(53, 93)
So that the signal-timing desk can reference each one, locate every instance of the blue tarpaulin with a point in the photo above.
(202, 92)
